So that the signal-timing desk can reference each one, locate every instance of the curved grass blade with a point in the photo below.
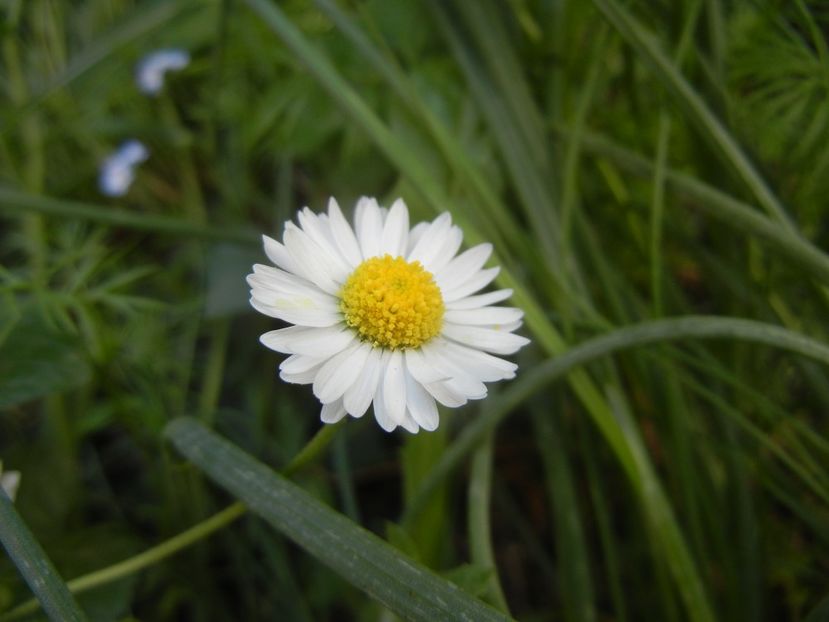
(407, 588)
(636, 335)
(646, 45)
(32, 563)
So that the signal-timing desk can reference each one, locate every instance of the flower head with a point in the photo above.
(384, 315)
(117, 172)
(149, 73)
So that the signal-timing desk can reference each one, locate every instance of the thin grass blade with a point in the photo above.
(35, 566)
(410, 590)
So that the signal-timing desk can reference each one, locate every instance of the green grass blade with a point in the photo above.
(646, 45)
(574, 581)
(32, 563)
(725, 208)
(15, 201)
(480, 527)
(498, 225)
(530, 185)
(407, 588)
(636, 335)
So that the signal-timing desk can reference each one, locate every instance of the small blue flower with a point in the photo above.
(118, 170)
(149, 73)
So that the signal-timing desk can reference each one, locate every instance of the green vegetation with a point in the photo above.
(653, 177)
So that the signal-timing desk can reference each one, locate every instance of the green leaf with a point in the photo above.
(471, 578)
(35, 567)
(407, 588)
(36, 361)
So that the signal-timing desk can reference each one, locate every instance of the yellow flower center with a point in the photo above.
(392, 303)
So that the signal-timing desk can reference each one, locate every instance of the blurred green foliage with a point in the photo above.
(506, 108)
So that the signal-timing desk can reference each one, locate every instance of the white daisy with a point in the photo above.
(384, 315)
(117, 172)
(150, 71)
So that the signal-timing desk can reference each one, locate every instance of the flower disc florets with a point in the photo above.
(392, 303)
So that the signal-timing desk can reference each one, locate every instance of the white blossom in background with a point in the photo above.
(385, 315)
(117, 172)
(9, 482)
(150, 71)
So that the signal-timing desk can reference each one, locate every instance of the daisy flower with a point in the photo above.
(149, 73)
(384, 315)
(117, 172)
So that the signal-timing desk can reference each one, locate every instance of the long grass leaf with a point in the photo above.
(407, 588)
(34, 565)
(575, 583)
(480, 525)
(15, 201)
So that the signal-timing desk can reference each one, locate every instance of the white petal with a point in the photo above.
(301, 377)
(486, 367)
(282, 340)
(462, 267)
(344, 235)
(322, 342)
(476, 282)
(429, 245)
(267, 282)
(484, 316)
(446, 395)
(396, 230)
(394, 387)
(451, 244)
(418, 367)
(482, 300)
(414, 236)
(381, 413)
(457, 377)
(298, 363)
(319, 230)
(369, 227)
(332, 412)
(340, 372)
(359, 395)
(421, 405)
(10, 482)
(509, 327)
(409, 424)
(298, 315)
(312, 261)
(488, 339)
(278, 254)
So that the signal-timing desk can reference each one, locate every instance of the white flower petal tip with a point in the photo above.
(10, 482)
(383, 314)
(150, 71)
(117, 171)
